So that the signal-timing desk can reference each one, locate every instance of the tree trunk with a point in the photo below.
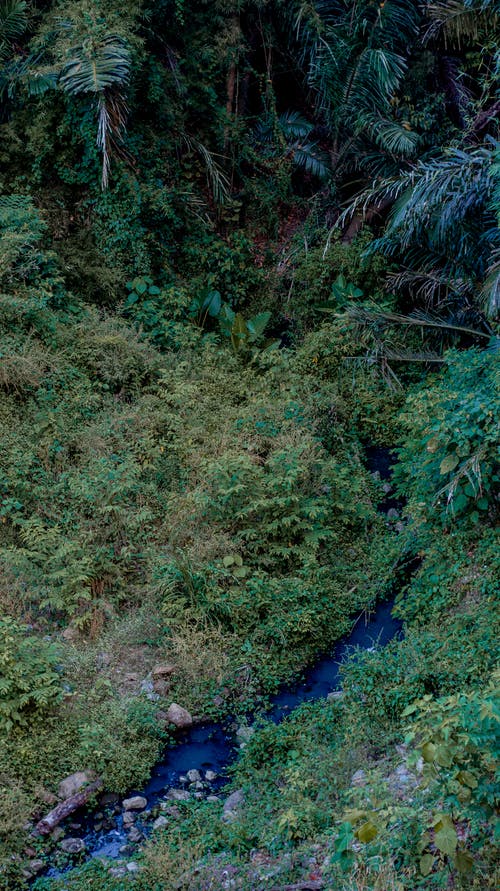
(65, 808)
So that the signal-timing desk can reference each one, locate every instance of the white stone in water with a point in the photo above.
(72, 845)
(160, 822)
(334, 695)
(136, 803)
(210, 776)
(194, 776)
(178, 795)
(128, 818)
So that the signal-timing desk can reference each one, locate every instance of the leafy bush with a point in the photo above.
(29, 680)
(449, 461)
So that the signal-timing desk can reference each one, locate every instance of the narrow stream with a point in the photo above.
(213, 747)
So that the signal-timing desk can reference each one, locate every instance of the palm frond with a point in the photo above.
(369, 315)
(94, 67)
(13, 22)
(309, 157)
(392, 136)
(216, 178)
(460, 21)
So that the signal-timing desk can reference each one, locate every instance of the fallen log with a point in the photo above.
(65, 808)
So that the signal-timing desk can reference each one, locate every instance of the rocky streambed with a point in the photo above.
(196, 768)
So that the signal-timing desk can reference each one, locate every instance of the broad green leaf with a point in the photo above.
(467, 779)
(448, 464)
(212, 304)
(239, 331)
(460, 501)
(429, 752)
(367, 832)
(426, 864)
(464, 861)
(257, 324)
(446, 840)
(344, 838)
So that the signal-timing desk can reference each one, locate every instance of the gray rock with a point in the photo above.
(109, 799)
(126, 849)
(136, 803)
(36, 866)
(135, 835)
(210, 776)
(358, 778)
(161, 677)
(118, 872)
(392, 514)
(232, 806)
(75, 783)
(194, 776)
(160, 822)
(178, 795)
(171, 809)
(213, 798)
(244, 734)
(401, 781)
(72, 845)
(148, 687)
(164, 670)
(386, 488)
(335, 695)
(133, 866)
(179, 716)
(128, 818)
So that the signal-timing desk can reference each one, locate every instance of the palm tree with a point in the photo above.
(101, 68)
(354, 59)
(443, 228)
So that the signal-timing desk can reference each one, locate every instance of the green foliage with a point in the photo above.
(29, 680)
(182, 492)
(453, 426)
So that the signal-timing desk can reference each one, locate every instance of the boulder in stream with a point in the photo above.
(72, 845)
(136, 803)
(75, 783)
(179, 716)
